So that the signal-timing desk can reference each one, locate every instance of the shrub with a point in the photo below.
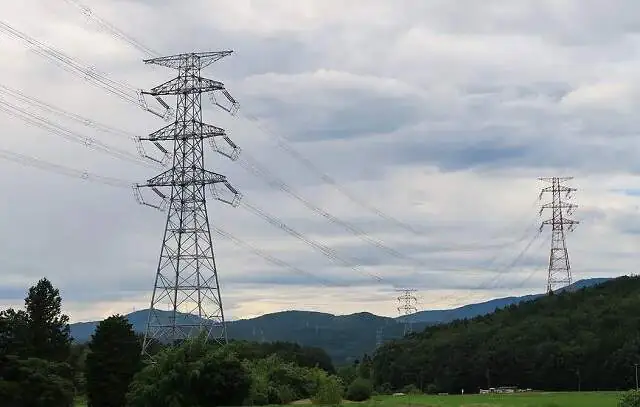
(411, 389)
(35, 382)
(384, 388)
(329, 391)
(432, 389)
(359, 390)
(192, 374)
(630, 399)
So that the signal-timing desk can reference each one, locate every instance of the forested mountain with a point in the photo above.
(588, 339)
(343, 337)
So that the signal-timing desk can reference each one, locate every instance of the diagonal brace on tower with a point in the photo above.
(186, 281)
(559, 273)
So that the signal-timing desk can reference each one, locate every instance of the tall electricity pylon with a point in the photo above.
(559, 266)
(407, 306)
(186, 281)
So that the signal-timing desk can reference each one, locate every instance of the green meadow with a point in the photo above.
(586, 399)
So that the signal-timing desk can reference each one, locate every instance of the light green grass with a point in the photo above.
(603, 399)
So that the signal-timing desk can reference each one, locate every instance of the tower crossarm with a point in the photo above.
(187, 130)
(175, 177)
(566, 222)
(558, 188)
(177, 61)
(569, 207)
(189, 83)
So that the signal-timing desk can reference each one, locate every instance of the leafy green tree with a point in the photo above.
(359, 390)
(193, 374)
(13, 333)
(35, 382)
(630, 399)
(365, 367)
(48, 333)
(348, 373)
(77, 361)
(112, 361)
(329, 391)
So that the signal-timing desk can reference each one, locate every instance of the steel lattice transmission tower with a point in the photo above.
(407, 306)
(559, 266)
(186, 281)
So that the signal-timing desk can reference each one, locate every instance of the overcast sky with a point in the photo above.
(439, 113)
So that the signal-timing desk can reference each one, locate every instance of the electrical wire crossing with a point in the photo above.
(559, 266)
(407, 306)
(186, 278)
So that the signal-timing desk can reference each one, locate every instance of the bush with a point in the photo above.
(411, 389)
(329, 391)
(192, 374)
(35, 382)
(432, 389)
(630, 399)
(359, 390)
(384, 388)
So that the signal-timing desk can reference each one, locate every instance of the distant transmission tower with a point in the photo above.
(407, 306)
(186, 282)
(379, 333)
(559, 267)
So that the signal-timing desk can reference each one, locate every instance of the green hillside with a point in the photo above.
(343, 337)
(588, 339)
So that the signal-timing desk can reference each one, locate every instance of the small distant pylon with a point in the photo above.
(559, 266)
(407, 306)
(379, 337)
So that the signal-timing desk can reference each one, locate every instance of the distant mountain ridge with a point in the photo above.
(344, 337)
(487, 307)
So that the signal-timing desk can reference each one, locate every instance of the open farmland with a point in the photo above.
(585, 399)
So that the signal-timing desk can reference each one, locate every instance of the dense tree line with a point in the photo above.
(40, 366)
(588, 340)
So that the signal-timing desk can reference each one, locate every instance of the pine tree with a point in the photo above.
(13, 333)
(48, 332)
(113, 360)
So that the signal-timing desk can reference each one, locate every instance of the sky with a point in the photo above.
(439, 114)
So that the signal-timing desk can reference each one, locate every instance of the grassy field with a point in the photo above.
(603, 399)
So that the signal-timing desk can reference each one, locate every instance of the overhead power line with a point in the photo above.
(47, 166)
(91, 74)
(14, 93)
(282, 142)
(104, 128)
(61, 169)
(272, 259)
(55, 129)
(113, 29)
(328, 252)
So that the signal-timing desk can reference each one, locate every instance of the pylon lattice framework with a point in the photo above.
(407, 306)
(559, 273)
(186, 279)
